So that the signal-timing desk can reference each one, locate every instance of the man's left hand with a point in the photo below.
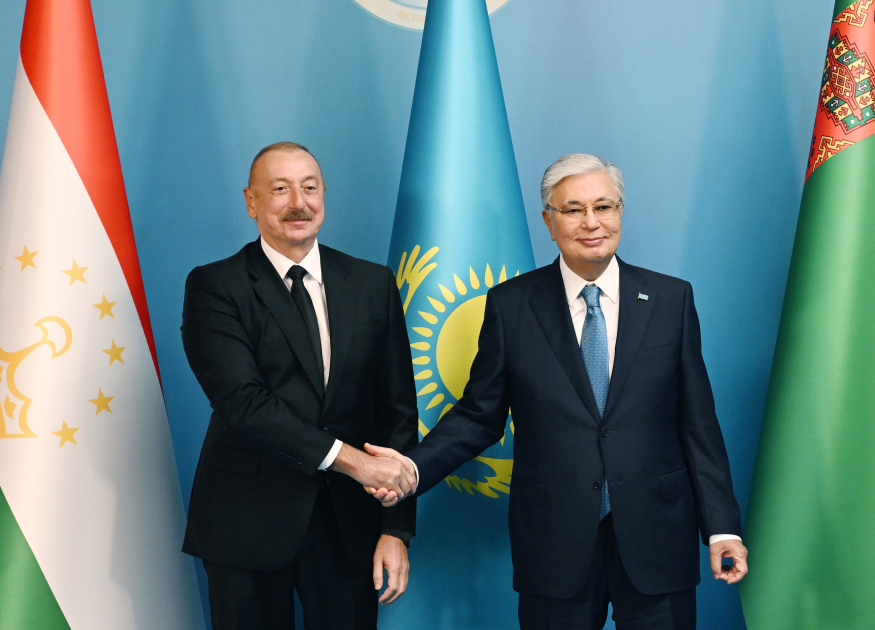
(729, 549)
(391, 555)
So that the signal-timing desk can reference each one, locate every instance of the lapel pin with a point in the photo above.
(641, 296)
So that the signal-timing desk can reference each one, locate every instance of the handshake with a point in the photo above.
(384, 472)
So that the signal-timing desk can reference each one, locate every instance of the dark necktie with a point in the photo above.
(308, 313)
(594, 348)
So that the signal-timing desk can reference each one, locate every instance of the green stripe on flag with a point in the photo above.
(812, 507)
(26, 601)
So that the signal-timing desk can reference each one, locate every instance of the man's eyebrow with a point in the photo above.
(580, 203)
(286, 180)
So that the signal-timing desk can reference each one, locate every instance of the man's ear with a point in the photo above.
(249, 196)
(548, 222)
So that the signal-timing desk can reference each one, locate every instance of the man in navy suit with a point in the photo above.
(619, 461)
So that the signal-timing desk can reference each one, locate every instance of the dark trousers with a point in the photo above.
(608, 582)
(334, 596)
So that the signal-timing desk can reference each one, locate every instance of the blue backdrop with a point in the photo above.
(707, 107)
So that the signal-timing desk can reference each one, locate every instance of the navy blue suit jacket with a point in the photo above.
(659, 443)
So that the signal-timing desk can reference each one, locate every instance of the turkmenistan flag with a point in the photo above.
(91, 516)
(460, 228)
(812, 510)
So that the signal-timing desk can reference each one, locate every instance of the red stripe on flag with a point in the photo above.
(61, 58)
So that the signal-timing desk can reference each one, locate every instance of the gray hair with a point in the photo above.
(279, 146)
(577, 164)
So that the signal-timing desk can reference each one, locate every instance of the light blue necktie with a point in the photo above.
(594, 348)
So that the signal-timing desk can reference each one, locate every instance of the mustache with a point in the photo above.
(297, 215)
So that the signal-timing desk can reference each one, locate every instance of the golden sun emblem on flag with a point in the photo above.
(57, 336)
(444, 336)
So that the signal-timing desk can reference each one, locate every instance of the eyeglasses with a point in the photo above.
(600, 209)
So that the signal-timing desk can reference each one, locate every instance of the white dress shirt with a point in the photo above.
(609, 301)
(312, 263)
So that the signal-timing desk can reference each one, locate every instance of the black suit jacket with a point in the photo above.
(272, 426)
(659, 443)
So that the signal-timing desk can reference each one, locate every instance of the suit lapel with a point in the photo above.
(272, 291)
(341, 297)
(550, 307)
(634, 315)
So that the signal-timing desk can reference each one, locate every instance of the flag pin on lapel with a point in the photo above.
(641, 296)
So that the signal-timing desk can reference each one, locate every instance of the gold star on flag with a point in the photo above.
(66, 434)
(76, 273)
(27, 259)
(115, 353)
(102, 402)
(105, 307)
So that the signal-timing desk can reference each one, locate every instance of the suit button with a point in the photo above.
(597, 485)
(605, 433)
(324, 428)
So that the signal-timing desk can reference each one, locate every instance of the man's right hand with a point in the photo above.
(376, 472)
(385, 495)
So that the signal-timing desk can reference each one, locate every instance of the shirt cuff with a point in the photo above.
(332, 455)
(721, 537)
(415, 468)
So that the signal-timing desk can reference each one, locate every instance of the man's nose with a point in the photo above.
(296, 198)
(590, 222)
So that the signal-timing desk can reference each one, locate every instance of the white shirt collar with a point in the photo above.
(608, 282)
(312, 262)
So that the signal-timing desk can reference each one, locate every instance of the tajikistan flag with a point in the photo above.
(91, 516)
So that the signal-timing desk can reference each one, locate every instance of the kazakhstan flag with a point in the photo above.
(460, 225)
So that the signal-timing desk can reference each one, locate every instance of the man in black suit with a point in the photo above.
(618, 457)
(303, 354)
